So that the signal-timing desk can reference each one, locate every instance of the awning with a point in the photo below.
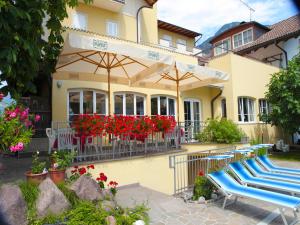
(108, 56)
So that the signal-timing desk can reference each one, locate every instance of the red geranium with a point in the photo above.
(201, 173)
(101, 180)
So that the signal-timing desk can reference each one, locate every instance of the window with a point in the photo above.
(181, 44)
(264, 107)
(80, 20)
(166, 41)
(112, 29)
(129, 104)
(242, 38)
(162, 105)
(222, 46)
(246, 109)
(86, 102)
(223, 107)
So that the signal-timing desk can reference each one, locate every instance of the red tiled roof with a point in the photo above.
(177, 29)
(282, 30)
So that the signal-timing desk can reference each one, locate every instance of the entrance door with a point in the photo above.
(191, 118)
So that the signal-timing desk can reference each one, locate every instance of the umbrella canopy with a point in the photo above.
(120, 61)
(182, 77)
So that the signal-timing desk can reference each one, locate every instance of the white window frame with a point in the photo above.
(117, 28)
(242, 32)
(242, 114)
(267, 106)
(86, 20)
(134, 102)
(158, 104)
(221, 44)
(81, 100)
(169, 39)
(192, 101)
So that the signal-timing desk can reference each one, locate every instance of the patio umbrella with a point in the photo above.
(182, 77)
(121, 60)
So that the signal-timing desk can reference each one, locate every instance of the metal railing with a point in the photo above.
(106, 147)
(186, 167)
(190, 130)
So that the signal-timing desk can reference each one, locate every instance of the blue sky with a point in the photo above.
(207, 16)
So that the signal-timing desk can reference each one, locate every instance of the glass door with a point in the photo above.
(191, 118)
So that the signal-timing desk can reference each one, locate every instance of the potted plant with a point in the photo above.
(38, 171)
(59, 162)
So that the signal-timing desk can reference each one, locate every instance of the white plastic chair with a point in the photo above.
(65, 140)
(51, 134)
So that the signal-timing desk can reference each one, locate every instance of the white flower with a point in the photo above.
(139, 222)
(55, 165)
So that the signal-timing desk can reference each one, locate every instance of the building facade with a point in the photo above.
(274, 45)
(133, 23)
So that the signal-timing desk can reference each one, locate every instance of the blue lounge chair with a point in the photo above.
(230, 187)
(257, 171)
(246, 178)
(268, 165)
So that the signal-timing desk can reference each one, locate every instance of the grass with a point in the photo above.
(288, 156)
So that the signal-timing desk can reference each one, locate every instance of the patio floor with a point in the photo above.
(167, 210)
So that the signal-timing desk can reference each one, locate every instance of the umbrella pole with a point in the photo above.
(108, 83)
(177, 90)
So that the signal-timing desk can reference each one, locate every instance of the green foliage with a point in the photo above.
(262, 151)
(82, 212)
(37, 165)
(23, 52)
(14, 130)
(63, 158)
(220, 131)
(30, 193)
(203, 187)
(255, 141)
(70, 195)
(284, 95)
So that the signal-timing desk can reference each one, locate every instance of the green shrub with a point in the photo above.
(203, 187)
(220, 131)
(70, 195)
(261, 151)
(30, 193)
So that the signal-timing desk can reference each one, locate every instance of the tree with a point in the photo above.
(284, 96)
(23, 51)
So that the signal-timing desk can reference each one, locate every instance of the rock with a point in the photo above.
(108, 205)
(201, 200)
(139, 222)
(51, 200)
(13, 205)
(87, 189)
(111, 220)
(107, 194)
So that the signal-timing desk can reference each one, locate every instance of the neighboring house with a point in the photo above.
(134, 23)
(275, 44)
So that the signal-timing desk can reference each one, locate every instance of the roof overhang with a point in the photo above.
(269, 42)
(177, 29)
(151, 2)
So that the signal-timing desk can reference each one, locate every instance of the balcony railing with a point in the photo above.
(107, 147)
(111, 5)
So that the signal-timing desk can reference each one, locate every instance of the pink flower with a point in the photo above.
(28, 123)
(20, 145)
(37, 118)
(12, 115)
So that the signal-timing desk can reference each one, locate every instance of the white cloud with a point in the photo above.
(207, 16)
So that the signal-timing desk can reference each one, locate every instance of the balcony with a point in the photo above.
(111, 5)
(180, 48)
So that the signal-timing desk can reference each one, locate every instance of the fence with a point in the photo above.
(105, 147)
(186, 167)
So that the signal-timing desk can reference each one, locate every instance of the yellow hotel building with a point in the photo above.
(134, 24)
